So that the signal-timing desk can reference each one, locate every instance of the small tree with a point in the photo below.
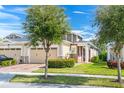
(110, 22)
(46, 24)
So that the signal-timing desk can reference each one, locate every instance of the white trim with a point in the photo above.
(86, 53)
(29, 56)
(11, 46)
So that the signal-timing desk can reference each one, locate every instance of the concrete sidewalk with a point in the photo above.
(55, 74)
(6, 77)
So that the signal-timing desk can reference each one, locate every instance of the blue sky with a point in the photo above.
(80, 19)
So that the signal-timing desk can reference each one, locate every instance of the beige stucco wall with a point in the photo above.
(93, 52)
(66, 50)
(63, 49)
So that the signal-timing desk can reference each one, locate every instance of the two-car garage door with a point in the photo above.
(38, 55)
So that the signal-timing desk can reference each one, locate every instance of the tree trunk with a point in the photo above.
(119, 69)
(46, 65)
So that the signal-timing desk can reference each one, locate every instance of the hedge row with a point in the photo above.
(61, 63)
(113, 64)
(8, 62)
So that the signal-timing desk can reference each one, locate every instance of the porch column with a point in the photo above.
(86, 54)
(22, 54)
(29, 55)
(24, 51)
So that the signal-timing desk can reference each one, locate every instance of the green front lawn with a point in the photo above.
(92, 68)
(67, 80)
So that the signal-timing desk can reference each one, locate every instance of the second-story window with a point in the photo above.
(69, 37)
(74, 38)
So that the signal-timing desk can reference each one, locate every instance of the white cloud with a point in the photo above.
(77, 31)
(5, 32)
(4, 15)
(81, 32)
(7, 28)
(20, 10)
(86, 35)
(10, 26)
(1, 7)
(79, 12)
(88, 39)
(88, 32)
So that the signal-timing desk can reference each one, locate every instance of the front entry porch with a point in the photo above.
(81, 52)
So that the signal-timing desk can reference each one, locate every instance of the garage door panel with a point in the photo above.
(13, 53)
(38, 55)
(53, 53)
(5, 52)
(1, 52)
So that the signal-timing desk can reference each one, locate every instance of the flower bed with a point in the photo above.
(113, 64)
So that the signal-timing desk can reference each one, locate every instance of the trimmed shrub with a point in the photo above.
(61, 63)
(5, 63)
(8, 62)
(113, 64)
(95, 59)
(13, 62)
(69, 62)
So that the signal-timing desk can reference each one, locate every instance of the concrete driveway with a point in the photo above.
(21, 68)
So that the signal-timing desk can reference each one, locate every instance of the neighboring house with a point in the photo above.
(17, 46)
(111, 55)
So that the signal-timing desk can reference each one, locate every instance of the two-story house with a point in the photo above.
(17, 46)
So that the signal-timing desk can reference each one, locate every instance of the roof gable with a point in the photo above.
(5, 41)
(17, 37)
